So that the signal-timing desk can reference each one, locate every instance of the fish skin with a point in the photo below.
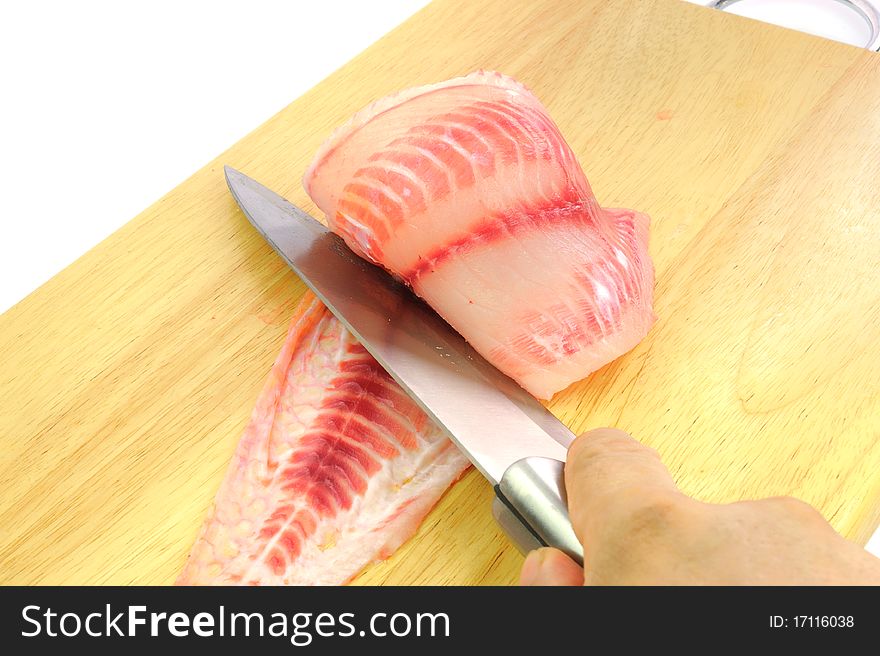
(467, 191)
(336, 469)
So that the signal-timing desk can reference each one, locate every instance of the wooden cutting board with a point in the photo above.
(126, 380)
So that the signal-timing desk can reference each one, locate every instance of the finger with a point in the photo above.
(549, 566)
(609, 472)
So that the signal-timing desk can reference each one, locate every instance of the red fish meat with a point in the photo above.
(336, 468)
(467, 191)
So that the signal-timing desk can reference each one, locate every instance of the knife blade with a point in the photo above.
(516, 443)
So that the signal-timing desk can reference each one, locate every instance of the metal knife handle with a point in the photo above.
(531, 507)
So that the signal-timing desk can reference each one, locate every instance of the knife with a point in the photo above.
(516, 443)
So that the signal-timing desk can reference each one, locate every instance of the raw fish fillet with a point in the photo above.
(336, 468)
(467, 191)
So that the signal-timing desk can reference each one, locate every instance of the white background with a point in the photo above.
(109, 105)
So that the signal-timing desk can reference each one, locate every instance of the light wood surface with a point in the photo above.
(126, 380)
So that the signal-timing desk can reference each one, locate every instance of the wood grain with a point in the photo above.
(126, 380)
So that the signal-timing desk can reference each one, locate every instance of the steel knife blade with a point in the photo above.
(492, 419)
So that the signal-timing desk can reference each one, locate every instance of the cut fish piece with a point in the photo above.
(336, 468)
(467, 191)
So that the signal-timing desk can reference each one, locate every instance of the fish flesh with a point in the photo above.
(336, 468)
(467, 191)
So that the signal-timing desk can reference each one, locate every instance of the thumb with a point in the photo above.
(609, 474)
(550, 566)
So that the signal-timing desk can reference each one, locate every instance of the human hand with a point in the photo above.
(637, 528)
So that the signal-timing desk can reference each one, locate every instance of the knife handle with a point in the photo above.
(530, 505)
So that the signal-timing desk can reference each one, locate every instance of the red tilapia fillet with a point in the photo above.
(467, 191)
(336, 468)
